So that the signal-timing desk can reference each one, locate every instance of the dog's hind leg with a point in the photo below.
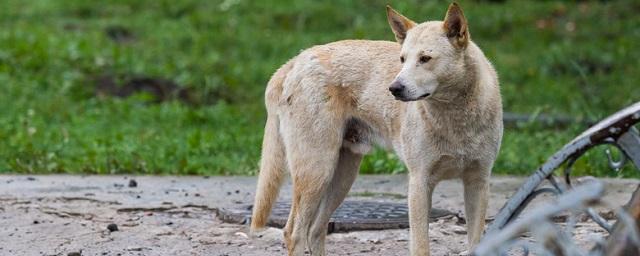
(311, 179)
(343, 177)
(312, 154)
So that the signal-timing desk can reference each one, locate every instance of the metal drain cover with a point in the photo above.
(350, 216)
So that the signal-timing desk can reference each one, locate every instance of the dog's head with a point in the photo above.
(432, 53)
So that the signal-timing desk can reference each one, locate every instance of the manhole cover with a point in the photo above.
(351, 215)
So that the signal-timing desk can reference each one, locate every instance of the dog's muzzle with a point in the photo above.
(396, 89)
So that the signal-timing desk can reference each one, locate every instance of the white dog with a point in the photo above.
(432, 97)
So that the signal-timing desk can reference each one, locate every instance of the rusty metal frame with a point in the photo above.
(552, 239)
(617, 130)
(582, 197)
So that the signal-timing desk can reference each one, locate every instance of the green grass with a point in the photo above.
(553, 57)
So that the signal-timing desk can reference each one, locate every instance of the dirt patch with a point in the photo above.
(155, 89)
(58, 215)
(119, 34)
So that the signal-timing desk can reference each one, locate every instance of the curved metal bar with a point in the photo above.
(505, 214)
(599, 220)
(552, 179)
(580, 197)
(530, 198)
(629, 143)
(570, 153)
(572, 160)
(568, 168)
(617, 129)
(616, 165)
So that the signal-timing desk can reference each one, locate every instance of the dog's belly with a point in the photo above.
(359, 137)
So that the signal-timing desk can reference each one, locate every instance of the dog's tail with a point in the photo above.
(273, 161)
(272, 166)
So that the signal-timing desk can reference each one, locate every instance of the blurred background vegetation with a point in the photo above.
(176, 87)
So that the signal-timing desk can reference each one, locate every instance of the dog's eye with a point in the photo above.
(424, 59)
(401, 59)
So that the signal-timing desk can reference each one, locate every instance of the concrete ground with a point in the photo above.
(71, 215)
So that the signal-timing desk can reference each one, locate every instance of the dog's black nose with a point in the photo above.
(396, 88)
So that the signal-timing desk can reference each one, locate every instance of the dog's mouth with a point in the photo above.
(402, 98)
(424, 96)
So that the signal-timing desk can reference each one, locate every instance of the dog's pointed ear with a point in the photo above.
(455, 26)
(400, 25)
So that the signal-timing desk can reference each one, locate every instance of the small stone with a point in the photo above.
(458, 230)
(36, 222)
(74, 254)
(241, 234)
(238, 191)
(31, 178)
(133, 183)
(112, 227)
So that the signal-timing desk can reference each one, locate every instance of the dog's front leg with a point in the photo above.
(420, 191)
(476, 198)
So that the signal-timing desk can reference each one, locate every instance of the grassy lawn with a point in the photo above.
(60, 62)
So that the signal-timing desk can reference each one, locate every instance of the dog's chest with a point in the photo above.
(453, 151)
(459, 140)
(456, 137)
(456, 132)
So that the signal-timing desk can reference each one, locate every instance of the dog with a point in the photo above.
(432, 97)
